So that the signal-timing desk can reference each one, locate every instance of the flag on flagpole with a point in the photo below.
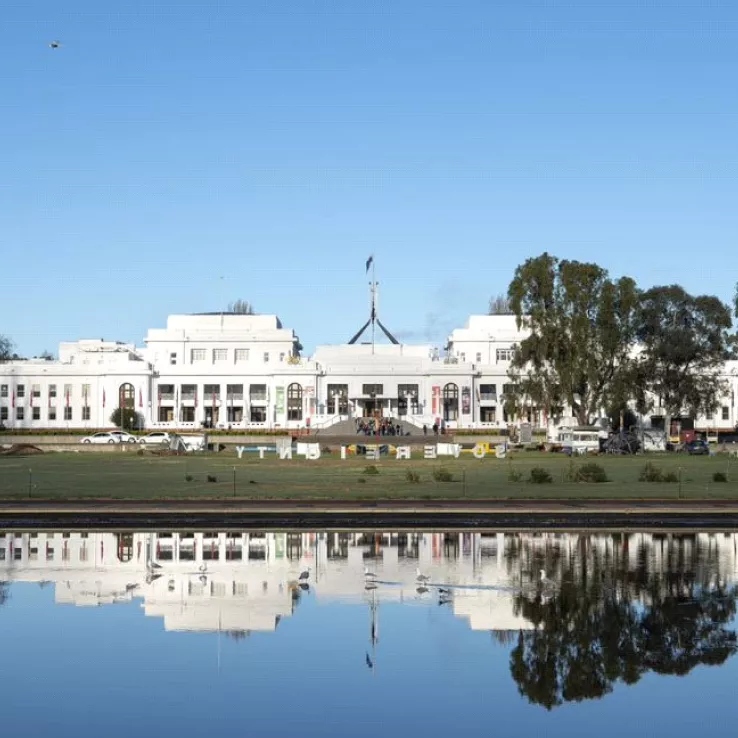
(140, 398)
(369, 262)
(103, 398)
(13, 396)
(67, 397)
(31, 395)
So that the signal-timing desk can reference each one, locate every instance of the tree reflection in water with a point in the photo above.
(4, 595)
(602, 625)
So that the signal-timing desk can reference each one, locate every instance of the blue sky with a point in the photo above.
(278, 143)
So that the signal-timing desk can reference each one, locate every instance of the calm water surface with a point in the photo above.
(194, 633)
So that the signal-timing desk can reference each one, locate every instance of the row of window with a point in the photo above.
(35, 414)
(20, 391)
(220, 356)
(506, 354)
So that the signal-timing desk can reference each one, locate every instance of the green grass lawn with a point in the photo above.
(124, 476)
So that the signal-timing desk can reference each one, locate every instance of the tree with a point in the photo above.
(126, 418)
(582, 331)
(241, 307)
(684, 342)
(4, 593)
(500, 305)
(6, 348)
(47, 355)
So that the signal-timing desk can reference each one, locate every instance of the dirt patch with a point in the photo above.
(21, 449)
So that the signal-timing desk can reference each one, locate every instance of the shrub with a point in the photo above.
(362, 480)
(371, 469)
(592, 473)
(719, 477)
(651, 473)
(442, 475)
(514, 475)
(539, 475)
(412, 477)
(671, 477)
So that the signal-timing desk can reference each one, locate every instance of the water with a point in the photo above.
(186, 634)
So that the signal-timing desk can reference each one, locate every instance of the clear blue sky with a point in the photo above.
(278, 143)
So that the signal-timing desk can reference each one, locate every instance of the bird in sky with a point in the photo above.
(55, 44)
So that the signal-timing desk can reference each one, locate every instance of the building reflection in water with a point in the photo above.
(579, 612)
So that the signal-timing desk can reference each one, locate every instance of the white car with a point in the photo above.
(124, 437)
(157, 438)
(101, 438)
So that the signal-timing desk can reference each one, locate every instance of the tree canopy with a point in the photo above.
(500, 305)
(683, 343)
(6, 348)
(582, 330)
(241, 307)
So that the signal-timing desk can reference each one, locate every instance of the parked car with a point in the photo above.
(156, 438)
(101, 438)
(124, 437)
(697, 447)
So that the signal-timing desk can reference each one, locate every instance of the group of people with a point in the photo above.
(383, 427)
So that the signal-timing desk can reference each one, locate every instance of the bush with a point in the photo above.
(442, 475)
(539, 475)
(371, 469)
(652, 473)
(719, 477)
(514, 475)
(412, 477)
(592, 473)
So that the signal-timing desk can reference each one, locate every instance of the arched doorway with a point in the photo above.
(451, 401)
(294, 401)
(127, 396)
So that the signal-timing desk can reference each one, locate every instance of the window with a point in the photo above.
(708, 415)
(241, 355)
(52, 391)
(294, 402)
(187, 414)
(266, 357)
(281, 358)
(197, 355)
(451, 401)
(172, 358)
(52, 413)
(337, 399)
(220, 354)
(211, 393)
(372, 389)
(479, 357)
(509, 389)
(726, 412)
(488, 414)
(3, 413)
(258, 392)
(36, 390)
(3, 390)
(21, 391)
(19, 415)
(67, 413)
(488, 392)
(36, 413)
(505, 354)
(407, 394)
(258, 414)
(462, 357)
(85, 413)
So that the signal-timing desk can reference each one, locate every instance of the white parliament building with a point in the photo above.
(225, 370)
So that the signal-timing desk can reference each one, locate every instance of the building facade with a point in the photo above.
(247, 372)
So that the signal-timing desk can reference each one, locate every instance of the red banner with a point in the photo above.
(436, 400)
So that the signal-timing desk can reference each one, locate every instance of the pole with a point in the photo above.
(374, 303)
(30, 481)
(234, 481)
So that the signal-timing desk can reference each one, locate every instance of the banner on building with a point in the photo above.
(436, 400)
(279, 402)
(466, 400)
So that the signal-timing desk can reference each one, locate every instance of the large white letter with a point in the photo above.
(261, 450)
(343, 452)
(240, 450)
(372, 453)
(479, 452)
(313, 451)
(285, 452)
(403, 452)
(429, 452)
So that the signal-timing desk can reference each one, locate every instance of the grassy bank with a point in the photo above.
(79, 476)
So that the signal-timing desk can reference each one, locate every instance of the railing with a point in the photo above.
(258, 397)
(488, 397)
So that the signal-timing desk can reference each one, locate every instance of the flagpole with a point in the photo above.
(374, 300)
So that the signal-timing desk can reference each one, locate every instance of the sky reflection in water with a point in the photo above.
(186, 633)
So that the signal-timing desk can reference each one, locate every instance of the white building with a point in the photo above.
(247, 372)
